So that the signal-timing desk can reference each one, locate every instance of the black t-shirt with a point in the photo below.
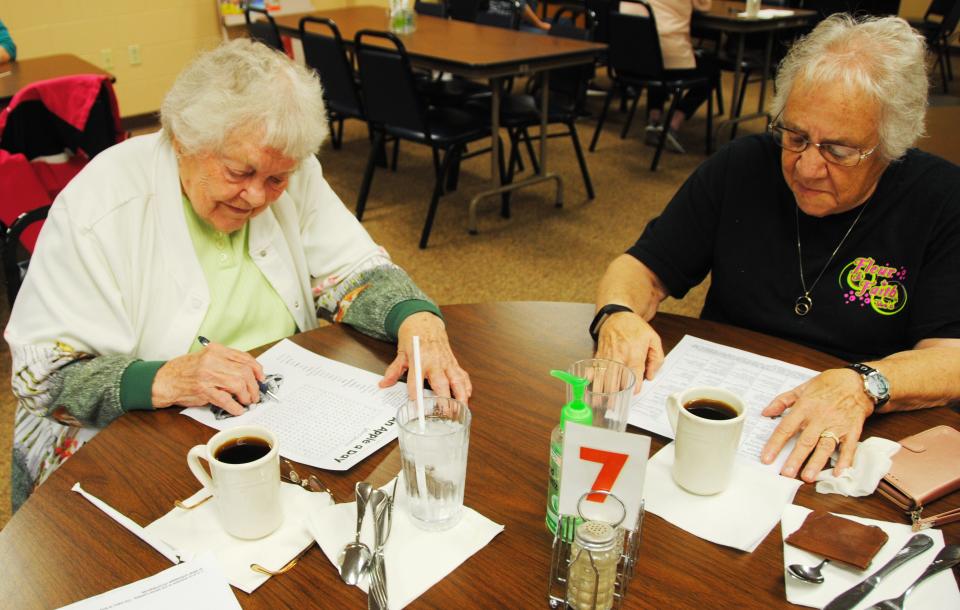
(895, 280)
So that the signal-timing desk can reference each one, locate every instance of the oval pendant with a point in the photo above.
(803, 306)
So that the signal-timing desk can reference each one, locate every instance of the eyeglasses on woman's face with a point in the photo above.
(839, 154)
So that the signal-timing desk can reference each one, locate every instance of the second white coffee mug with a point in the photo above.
(706, 437)
(244, 479)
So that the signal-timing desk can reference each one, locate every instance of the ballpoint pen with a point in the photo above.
(263, 386)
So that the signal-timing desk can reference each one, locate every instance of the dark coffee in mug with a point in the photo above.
(242, 450)
(710, 409)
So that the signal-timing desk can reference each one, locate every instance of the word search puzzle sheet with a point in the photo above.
(695, 362)
(329, 414)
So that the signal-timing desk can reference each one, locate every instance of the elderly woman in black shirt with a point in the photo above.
(830, 230)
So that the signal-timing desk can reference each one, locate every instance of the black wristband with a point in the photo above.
(602, 315)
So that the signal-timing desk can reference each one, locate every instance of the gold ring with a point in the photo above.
(830, 435)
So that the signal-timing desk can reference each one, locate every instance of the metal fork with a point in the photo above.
(377, 577)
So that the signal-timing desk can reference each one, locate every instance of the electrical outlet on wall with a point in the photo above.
(106, 58)
(133, 52)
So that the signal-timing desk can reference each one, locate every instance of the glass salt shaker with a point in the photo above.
(595, 555)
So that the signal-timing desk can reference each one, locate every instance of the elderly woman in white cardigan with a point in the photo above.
(221, 225)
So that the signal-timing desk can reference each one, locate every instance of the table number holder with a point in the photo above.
(560, 559)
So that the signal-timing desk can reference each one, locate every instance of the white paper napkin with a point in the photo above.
(194, 531)
(741, 516)
(415, 559)
(870, 463)
(940, 591)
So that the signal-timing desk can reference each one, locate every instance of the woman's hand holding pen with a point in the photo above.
(216, 375)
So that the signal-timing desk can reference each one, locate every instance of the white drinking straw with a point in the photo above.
(418, 376)
(417, 463)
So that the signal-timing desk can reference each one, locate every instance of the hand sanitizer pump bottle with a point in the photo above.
(575, 411)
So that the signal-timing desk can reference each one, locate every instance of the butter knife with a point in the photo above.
(915, 546)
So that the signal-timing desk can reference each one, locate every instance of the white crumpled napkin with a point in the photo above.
(415, 559)
(741, 516)
(194, 531)
(938, 592)
(870, 463)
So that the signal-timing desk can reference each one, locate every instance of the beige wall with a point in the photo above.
(168, 32)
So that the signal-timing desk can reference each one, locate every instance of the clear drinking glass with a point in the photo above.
(434, 460)
(609, 393)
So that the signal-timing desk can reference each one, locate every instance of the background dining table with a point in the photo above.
(59, 548)
(15, 75)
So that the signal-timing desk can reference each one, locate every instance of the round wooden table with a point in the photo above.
(59, 548)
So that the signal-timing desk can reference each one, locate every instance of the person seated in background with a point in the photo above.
(679, 61)
(830, 230)
(529, 22)
(220, 225)
(8, 50)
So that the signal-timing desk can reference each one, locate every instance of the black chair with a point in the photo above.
(262, 28)
(501, 14)
(395, 107)
(327, 55)
(938, 26)
(34, 166)
(566, 102)
(463, 10)
(433, 9)
(635, 63)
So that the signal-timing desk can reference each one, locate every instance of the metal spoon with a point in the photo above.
(807, 574)
(948, 557)
(356, 555)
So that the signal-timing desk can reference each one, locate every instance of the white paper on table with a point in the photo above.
(329, 415)
(755, 379)
(940, 591)
(740, 516)
(195, 584)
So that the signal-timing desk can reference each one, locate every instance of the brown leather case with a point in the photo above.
(925, 469)
(838, 539)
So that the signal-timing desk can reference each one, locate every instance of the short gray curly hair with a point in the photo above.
(883, 57)
(242, 83)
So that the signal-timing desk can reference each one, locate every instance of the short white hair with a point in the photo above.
(882, 57)
(242, 84)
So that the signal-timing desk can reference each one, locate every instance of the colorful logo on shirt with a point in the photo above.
(879, 287)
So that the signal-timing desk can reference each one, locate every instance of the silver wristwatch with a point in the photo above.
(874, 383)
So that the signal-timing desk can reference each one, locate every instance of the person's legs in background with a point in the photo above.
(692, 99)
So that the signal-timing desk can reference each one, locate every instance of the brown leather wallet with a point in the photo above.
(926, 468)
(838, 539)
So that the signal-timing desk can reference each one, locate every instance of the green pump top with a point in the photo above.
(576, 410)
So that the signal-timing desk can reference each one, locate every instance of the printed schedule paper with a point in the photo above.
(755, 379)
(329, 414)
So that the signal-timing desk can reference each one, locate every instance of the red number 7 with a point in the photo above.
(612, 465)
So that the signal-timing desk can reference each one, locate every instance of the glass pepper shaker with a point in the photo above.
(592, 577)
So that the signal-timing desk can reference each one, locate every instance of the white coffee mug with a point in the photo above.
(244, 479)
(705, 449)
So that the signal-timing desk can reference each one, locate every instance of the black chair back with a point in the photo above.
(463, 10)
(634, 44)
(950, 20)
(938, 8)
(328, 56)
(601, 9)
(388, 85)
(433, 9)
(262, 28)
(571, 82)
(501, 14)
